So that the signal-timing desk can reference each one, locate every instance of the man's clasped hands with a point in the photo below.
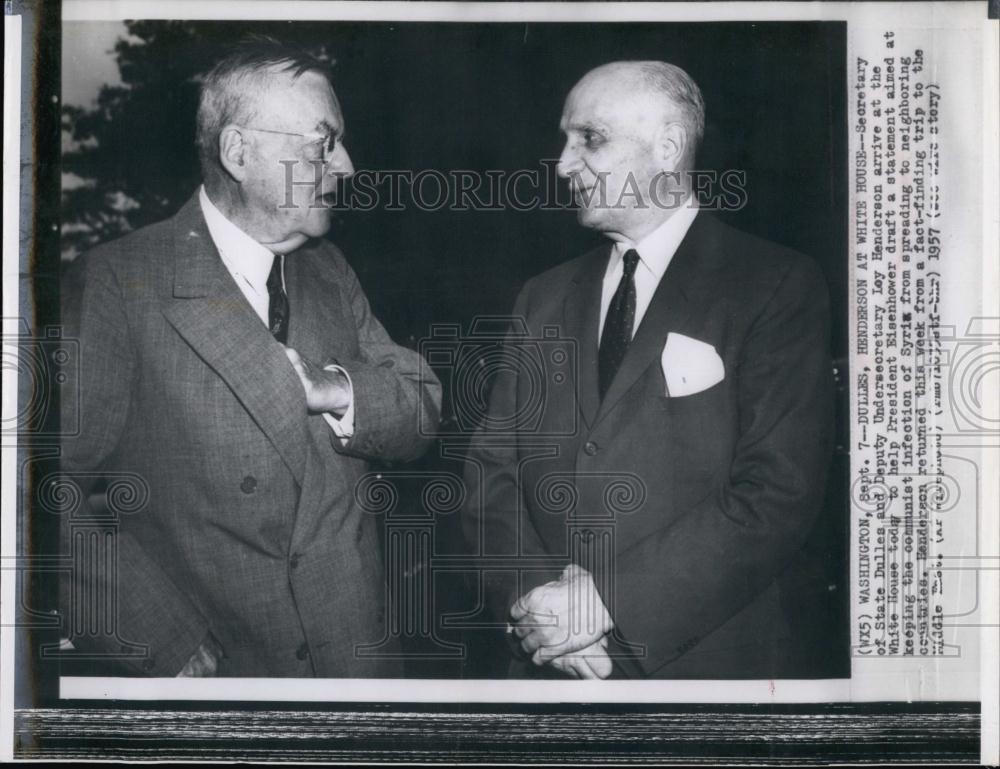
(565, 624)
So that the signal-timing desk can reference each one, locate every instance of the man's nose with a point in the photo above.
(569, 162)
(340, 162)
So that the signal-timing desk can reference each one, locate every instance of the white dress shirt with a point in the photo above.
(655, 252)
(250, 263)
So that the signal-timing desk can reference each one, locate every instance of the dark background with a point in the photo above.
(489, 96)
(482, 96)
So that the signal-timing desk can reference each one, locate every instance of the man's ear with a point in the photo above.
(671, 145)
(233, 152)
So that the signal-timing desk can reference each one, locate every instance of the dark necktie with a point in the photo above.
(617, 332)
(277, 308)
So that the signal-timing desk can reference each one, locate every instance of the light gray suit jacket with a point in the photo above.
(252, 531)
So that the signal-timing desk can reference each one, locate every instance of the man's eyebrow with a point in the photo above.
(587, 126)
(326, 127)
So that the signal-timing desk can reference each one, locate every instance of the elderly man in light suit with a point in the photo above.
(231, 360)
(703, 379)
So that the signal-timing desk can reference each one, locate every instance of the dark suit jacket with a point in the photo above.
(252, 531)
(686, 509)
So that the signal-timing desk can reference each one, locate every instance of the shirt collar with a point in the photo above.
(240, 252)
(657, 249)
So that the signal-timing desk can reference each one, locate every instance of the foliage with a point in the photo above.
(133, 155)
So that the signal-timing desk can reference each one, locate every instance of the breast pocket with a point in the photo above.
(711, 400)
(701, 429)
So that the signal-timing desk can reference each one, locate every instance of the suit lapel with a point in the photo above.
(582, 313)
(317, 329)
(674, 300)
(209, 312)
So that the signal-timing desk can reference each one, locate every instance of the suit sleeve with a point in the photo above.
(397, 398)
(495, 520)
(676, 586)
(150, 611)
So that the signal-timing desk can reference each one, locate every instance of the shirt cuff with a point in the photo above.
(343, 427)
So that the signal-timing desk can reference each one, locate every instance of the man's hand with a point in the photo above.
(204, 662)
(561, 617)
(591, 663)
(325, 390)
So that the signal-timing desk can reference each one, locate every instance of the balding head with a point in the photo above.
(632, 129)
(654, 91)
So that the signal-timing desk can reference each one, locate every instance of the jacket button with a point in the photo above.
(590, 448)
(302, 652)
(294, 561)
(249, 485)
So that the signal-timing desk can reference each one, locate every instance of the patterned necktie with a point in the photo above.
(277, 309)
(617, 332)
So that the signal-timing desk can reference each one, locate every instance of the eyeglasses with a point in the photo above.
(329, 140)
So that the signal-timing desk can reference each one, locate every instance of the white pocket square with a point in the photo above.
(690, 366)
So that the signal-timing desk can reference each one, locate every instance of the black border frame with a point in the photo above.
(925, 733)
(816, 733)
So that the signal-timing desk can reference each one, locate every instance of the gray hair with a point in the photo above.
(231, 90)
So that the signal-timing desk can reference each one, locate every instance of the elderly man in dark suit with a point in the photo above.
(231, 360)
(697, 447)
